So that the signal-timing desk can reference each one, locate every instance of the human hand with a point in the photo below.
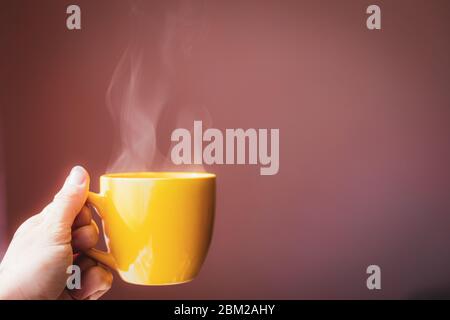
(45, 245)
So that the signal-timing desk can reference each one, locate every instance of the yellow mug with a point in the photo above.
(157, 225)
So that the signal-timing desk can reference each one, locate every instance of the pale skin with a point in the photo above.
(45, 245)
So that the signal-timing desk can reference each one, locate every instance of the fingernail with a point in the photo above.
(77, 176)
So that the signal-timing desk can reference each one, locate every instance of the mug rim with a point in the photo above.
(159, 175)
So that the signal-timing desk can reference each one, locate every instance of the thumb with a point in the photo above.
(71, 198)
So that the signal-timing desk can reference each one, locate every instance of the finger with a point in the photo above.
(65, 295)
(83, 218)
(97, 295)
(93, 280)
(70, 199)
(85, 237)
(84, 262)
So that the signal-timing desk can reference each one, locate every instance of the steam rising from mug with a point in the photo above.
(141, 83)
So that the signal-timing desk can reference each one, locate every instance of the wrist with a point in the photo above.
(3, 295)
(6, 289)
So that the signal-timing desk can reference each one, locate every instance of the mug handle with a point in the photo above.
(97, 201)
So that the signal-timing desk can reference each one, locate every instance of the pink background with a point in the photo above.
(364, 133)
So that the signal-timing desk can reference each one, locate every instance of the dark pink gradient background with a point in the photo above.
(364, 119)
